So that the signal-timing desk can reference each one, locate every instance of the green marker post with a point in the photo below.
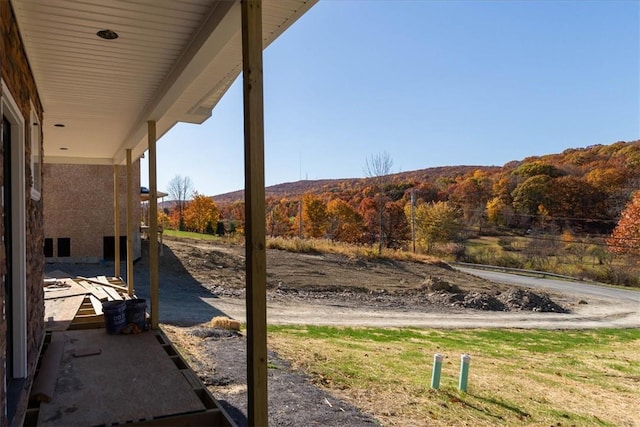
(464, 372)
(437, 368)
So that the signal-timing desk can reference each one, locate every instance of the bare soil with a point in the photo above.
(353, 282)
(314, 283)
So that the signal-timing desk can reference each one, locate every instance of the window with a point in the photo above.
(36, 159)
(48, 247)
(64, 247)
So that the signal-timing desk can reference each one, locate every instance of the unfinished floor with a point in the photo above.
(99, 379)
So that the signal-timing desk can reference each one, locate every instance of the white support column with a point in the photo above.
(116, 221)
(130, 223)
(153, 225)
(255, 228)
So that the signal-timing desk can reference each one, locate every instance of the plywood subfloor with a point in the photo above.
(60, 312)
(132, 379)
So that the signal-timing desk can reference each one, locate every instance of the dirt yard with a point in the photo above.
(314, 285)
(331, 278)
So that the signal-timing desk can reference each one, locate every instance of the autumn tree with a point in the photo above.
(200, 213)
(625, 238)
(425, 192)
(534, 194)
(234, 216)
(344, 223)
(437, 222)
(499, 212)
(528, 170)
(180, 189)
(471, 195)
(278, 218)
(578, 201)
(368, 210)
(378, 167)
(314, 216)
(396, 227)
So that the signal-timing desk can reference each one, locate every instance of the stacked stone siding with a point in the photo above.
(17, 75)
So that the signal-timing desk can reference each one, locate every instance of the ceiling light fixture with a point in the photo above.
(107, 34)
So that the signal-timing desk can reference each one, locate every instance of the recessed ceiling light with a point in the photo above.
(59, 125)
(107, 34)
(63, 148)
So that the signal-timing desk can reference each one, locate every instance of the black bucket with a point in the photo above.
(114, 316)
(136, 312)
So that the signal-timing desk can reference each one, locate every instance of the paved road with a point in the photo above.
(563, 286)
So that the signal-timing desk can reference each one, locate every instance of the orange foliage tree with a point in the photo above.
(344, 223)
(625, 238)
(201, 212)
(396, 227)
(279, 221)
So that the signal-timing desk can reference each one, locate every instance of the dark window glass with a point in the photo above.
(64, 246)
(48, 247)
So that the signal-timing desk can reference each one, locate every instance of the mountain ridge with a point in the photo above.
(318, 186)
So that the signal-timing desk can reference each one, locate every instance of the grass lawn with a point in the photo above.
(517, 377)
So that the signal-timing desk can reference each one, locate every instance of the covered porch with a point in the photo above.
(112, 81)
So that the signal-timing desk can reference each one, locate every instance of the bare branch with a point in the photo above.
(378, 165)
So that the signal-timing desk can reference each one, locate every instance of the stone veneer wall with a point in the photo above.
(78, 204)
(17, 75)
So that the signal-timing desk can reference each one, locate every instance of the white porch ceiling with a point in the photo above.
(172, 62)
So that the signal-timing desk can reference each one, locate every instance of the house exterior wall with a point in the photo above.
(78, 205)
(18, 78)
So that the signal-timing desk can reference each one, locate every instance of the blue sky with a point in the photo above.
(432, 83)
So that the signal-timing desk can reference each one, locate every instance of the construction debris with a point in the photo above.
(77, 303)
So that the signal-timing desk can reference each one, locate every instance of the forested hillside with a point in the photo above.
(584, 188)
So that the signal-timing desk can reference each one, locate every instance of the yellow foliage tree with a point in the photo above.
(314, 216)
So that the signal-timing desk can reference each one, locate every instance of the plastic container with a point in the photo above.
(136, 312)
(114, 316)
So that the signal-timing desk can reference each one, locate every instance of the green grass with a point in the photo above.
(536, 377)
(229, 239)
(190, 235)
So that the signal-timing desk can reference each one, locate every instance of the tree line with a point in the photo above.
(580, 192)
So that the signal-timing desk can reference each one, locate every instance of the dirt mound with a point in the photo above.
(513, 299)
(525, 299)
(479, 301)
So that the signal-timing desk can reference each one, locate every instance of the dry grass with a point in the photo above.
(354, 251)
(222, 322)
(529, 377)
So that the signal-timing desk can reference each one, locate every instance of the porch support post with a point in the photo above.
(116, 222)
(153, 225)
(129, 223)
(255, 227)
